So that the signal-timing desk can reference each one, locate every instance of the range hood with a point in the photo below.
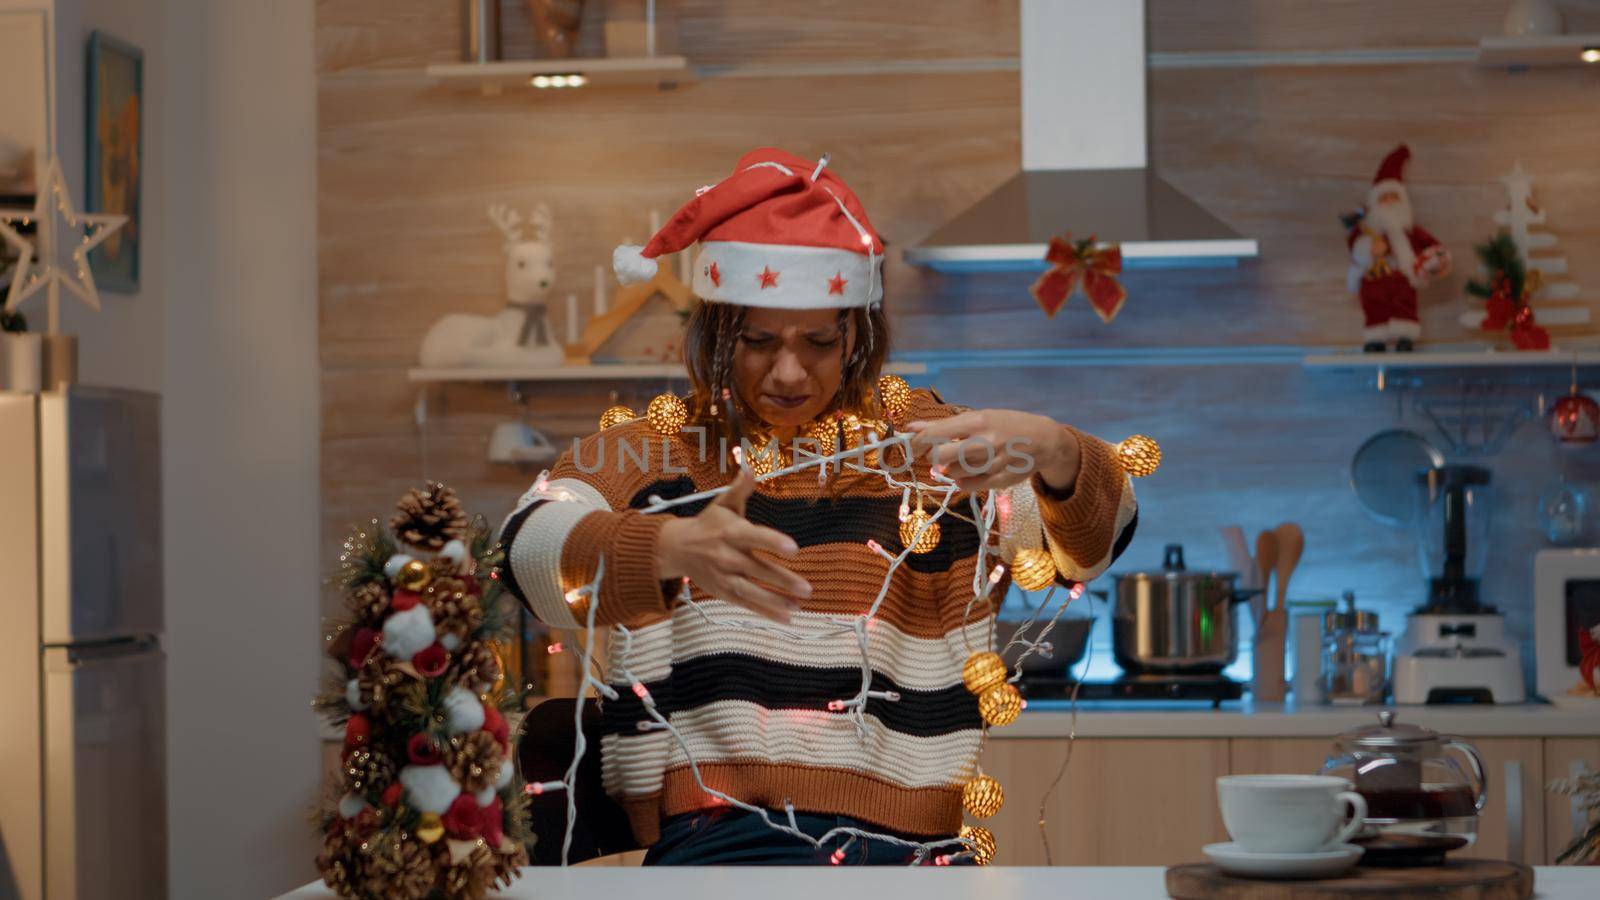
(1084, 160)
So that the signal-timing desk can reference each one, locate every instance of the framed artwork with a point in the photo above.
(115, 155)
(24, 105)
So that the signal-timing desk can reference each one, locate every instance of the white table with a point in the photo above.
(827, 883)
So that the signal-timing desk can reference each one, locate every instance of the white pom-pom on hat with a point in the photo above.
(352, 695)
(405, 634)
(504, 778)
(631, 265)
(430, 788)
(463, 711)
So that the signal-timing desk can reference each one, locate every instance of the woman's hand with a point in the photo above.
(990, 449)
(717, 550)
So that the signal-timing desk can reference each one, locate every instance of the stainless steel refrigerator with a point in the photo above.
(82, 673)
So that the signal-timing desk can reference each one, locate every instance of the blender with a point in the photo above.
(1455, 648)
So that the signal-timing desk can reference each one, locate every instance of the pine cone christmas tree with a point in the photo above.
(474, 760)
(429, 518)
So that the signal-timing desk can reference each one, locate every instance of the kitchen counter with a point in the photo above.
(995, 883)
(1246, 719)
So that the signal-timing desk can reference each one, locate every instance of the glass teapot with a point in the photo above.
(1421, 802)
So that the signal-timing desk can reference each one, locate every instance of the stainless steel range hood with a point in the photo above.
(1083, 157)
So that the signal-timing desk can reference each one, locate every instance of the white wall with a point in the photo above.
(241, 459)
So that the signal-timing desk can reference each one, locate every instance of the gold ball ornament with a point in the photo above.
(825, 434)
(908, 532)
(414, 575)
(896, 396)
(982, 797)
(430, 828)
(616, 415)
(667, 414)
(983, 846)
(1140, 455)
(1032, 569)
(1000, 705)
(983, 671)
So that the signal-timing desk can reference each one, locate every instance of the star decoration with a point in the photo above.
(714, 275)
(83, 231)
(836, 283)
(768, 277)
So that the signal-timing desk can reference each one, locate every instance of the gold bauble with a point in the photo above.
(667, 414)
(414, 575)
(1000, 705)
(1140, 455)
(616, 415)
(826, 435)
(429, 828)
(896, 396)
(983, 671)
(983, 846)
(982, 797)
(1032, 569)
(908, 532)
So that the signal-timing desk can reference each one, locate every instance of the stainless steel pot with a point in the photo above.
(1174, 621)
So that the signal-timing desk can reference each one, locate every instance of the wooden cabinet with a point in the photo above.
(1123, 802)
(1563, 757)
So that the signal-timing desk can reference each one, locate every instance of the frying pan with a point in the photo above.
(1384, 470)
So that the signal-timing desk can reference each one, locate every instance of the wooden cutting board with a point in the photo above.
(1466, 879)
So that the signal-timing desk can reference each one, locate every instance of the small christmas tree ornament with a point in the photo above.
(1575, 419)
(414, 575)
(983, 671)
(616, 415)
(1139, 455)
(919, 520)
(982, 797)
(1033, 569)
(983, 846)
(1000, 705)
(430, 828)
(895, 395)
(667, 414)
(1082, 262)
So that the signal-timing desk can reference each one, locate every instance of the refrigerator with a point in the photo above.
(82, 672)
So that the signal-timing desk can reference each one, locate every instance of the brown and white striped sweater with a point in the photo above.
(752, 705)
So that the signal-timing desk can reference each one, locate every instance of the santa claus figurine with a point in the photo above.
(1390, 257)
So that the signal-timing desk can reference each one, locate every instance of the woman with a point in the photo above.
(753, 672)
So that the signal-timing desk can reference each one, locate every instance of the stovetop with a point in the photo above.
(1213, 689)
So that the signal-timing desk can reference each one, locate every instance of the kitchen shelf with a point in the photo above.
(599, 72)
(1526, 52)
(1467, 359)
(593, 372)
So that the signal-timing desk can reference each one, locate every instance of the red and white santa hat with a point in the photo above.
(780, 232)
(1391, 175)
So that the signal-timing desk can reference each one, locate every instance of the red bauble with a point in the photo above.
(422, 750)
(431, 661)
(404, 600)
(1575, 420)
(464, 818)
(391, 795)
(361, 646)
(357, 731)
(492, 826)
(495, 724)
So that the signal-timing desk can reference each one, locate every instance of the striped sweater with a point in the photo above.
(752, 705)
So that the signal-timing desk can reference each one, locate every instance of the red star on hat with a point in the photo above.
(716, 277)
(768, 277)
(836, 283)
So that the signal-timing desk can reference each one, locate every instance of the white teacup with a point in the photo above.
(1289, 813)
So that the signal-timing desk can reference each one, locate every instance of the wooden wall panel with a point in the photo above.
(1280, 25)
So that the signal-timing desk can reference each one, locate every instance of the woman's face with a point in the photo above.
(788, 363)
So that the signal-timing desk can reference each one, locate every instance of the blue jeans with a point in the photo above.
(734, 837)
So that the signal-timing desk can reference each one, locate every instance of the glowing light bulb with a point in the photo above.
(996, 572)
(553, 649)
(1590, 55)
(640, 691)
(835, 706)
(866, 240)
(574, 596)
(576, 81)
(541, 81)
(838, 857)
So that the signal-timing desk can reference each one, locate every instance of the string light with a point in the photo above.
(982, 797)
(1033, 569)
(616, 415)
(555, 648)
(983, 845)
(896, 396)
(667, 414)
(1139, 455)
(1000, 705)
(919, 532)
(983, 671)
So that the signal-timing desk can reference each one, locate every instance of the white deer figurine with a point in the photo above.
(518, 334)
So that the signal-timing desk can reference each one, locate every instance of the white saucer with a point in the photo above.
(1235, 860)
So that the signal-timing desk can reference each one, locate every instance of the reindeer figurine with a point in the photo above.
(518, 334)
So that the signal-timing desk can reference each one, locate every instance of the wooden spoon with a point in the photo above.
(1291, 544)
(1266, 564)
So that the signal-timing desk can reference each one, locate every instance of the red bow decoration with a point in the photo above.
(1073, 260)
(1505, 309)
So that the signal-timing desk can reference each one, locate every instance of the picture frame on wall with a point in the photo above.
(115, 156)
(24, 105)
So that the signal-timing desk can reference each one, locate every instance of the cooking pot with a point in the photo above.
(1174, 621)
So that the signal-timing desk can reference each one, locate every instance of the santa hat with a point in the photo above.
(1391, 175)
(780, 232)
